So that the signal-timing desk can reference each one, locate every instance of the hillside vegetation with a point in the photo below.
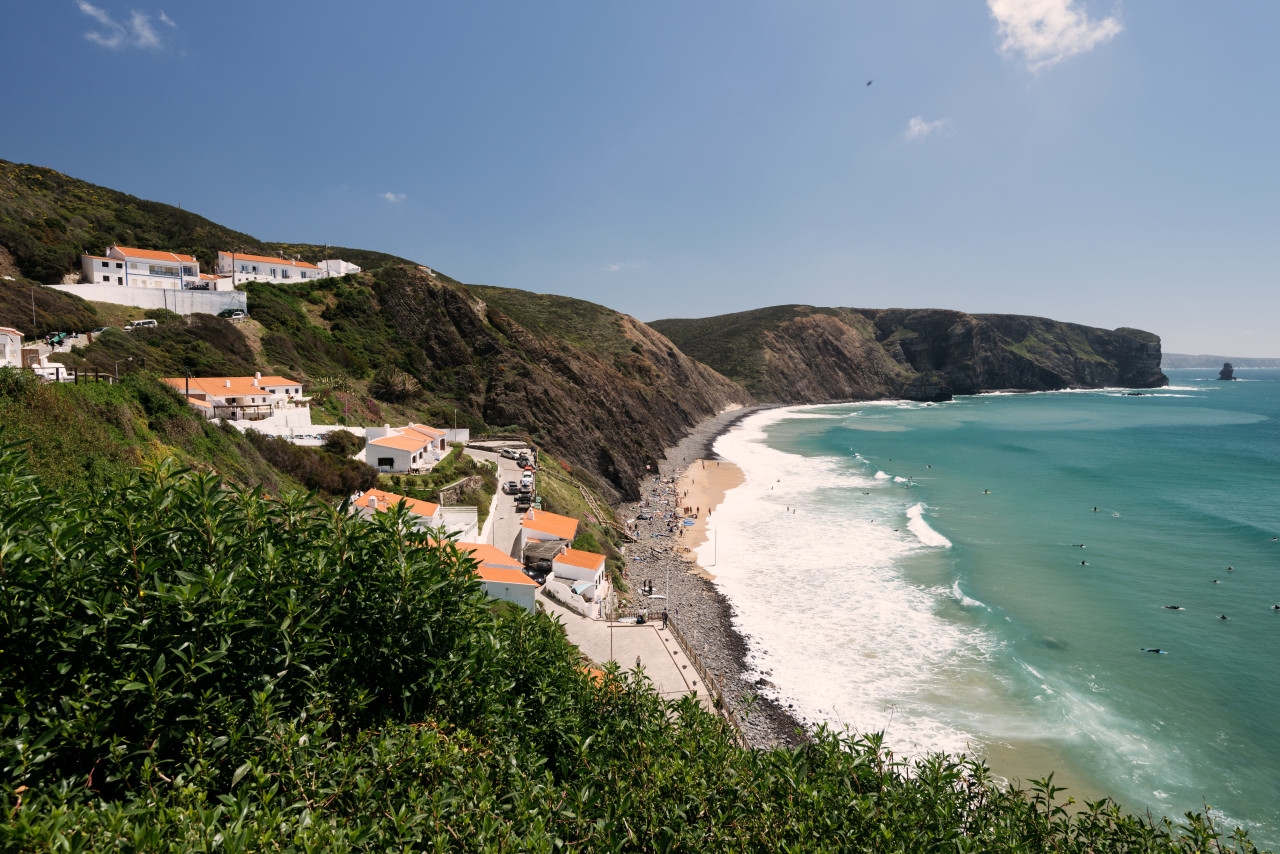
(807, 354)
(192, 667)
(48, 220)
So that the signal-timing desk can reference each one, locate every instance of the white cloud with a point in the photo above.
(918, 128)
(139, 32)
(619, 266)
(1046, 32)
(393, 197)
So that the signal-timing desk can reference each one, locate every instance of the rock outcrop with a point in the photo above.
(800, 353)
(1227, 372)
(609, 406)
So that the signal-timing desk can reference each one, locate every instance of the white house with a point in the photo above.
(415, 447)
(579, 566)
(502, 576)
(10, 347)
(264, 268)
(426, 515)
(337, 267)
(143, 268)
(541, 526)
(254, 398)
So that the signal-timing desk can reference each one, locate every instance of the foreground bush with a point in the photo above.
(186, 666)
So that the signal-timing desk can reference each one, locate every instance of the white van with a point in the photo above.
(139, 324)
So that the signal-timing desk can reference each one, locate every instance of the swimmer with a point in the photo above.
(1230, 569)
(1175, 607)
(1115, 515)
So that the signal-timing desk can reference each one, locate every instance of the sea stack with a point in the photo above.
(1227, 372)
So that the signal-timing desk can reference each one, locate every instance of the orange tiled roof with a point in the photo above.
(279, 262)
(152, 255)
(404, 443)
(424, 430)
(387, 499)
(560, 527)
(504, 576)
(217, 386)
(487, 555)
(585, 560)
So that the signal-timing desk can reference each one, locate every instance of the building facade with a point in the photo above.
(125, 266)
(264, 268)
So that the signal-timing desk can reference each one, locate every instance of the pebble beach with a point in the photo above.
(691, 476)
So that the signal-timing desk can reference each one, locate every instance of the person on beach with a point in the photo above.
(664, 618)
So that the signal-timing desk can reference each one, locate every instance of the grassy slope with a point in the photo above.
(592, 327)
(48, 220)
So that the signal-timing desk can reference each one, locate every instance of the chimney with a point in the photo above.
(227, 383)
(373, 502)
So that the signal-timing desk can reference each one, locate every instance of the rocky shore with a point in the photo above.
(703, 615)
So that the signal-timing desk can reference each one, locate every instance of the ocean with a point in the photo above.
(983, 576)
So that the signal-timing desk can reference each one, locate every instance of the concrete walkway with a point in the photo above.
(661, 658)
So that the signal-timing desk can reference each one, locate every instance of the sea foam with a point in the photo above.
(924, 533)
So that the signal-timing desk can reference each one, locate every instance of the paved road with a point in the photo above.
(661, 658)
(506, 521)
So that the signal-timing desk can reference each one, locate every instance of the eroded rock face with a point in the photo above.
(608, 413)
(797, 354)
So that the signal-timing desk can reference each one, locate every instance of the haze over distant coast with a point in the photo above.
(1177, 361)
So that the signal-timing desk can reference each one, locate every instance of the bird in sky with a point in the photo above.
(869, 82)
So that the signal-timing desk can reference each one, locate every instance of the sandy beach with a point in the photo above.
(662, 558)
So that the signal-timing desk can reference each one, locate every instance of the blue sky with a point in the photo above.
(1107, 163)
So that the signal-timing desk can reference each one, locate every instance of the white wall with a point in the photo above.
(520, 594)
(463, 522)
(181, 302)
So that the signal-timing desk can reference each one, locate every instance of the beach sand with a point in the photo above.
(661, 559)
(704, 485)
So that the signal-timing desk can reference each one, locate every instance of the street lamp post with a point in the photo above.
(117, 368)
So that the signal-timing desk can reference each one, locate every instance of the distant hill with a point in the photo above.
(1175, 361)
(799, 353)
(48, 220)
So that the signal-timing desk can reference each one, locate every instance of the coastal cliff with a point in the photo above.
(795, 354)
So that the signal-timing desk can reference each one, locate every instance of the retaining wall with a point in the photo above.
(179, 302)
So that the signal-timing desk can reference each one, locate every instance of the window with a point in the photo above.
(188, 271)
(273, 272)
(105, 264)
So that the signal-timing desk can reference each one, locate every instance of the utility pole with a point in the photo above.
(33, 311)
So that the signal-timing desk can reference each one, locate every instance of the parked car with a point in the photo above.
(233, 313)
(139, 324)
(510, 487)
(100, 330)
(525, 489)
(508, 453)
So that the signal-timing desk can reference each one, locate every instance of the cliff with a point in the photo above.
(796, 353)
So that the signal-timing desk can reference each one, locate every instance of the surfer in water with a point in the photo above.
(986, 492)
(1175, 607)
(1077, 545)
(1157, 650)
(1084, 563)
(1223, 617)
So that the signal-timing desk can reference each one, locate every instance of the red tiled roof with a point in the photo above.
(584, 560)
(387, 499)
(217, 386)
(404, 443)
(560, 527)
(152, 255)
(490, 556)
(280, 262)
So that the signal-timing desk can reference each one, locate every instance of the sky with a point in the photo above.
(1106, 162)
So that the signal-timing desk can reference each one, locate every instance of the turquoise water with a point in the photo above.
(917, 568)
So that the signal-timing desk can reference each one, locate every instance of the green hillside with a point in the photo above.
(48, 220)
